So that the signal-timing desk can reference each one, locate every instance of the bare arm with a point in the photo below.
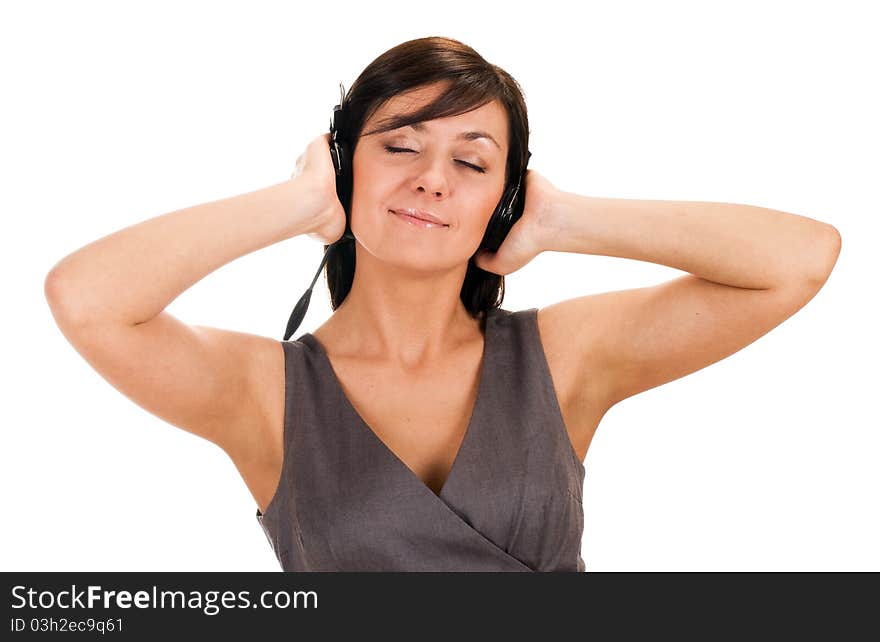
(750, 269)
(742, 246)
(109, 298)
(130, 276)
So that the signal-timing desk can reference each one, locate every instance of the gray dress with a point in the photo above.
(511, 502)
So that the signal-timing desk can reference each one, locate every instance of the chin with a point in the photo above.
(409, 258)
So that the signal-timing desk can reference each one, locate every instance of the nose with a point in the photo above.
(432, 180)
(434, 193)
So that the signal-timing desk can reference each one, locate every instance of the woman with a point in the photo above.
(423, 427)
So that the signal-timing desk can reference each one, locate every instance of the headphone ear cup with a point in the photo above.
(506, 214)
(499, 224)
(341, 156)
(344, 186)
(343, 174)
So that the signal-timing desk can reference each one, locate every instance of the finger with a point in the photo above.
(484, 260)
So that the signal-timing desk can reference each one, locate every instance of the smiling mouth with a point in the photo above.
(417, 221)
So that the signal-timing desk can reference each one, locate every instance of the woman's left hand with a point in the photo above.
(526, 238)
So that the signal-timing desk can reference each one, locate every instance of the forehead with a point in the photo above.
(489, 118)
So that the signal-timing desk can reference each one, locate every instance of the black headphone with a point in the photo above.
(506, 214)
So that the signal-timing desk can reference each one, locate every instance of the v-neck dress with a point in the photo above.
(512, 500)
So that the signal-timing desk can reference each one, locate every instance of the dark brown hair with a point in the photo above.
(471, 83)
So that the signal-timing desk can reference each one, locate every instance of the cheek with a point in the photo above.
(488, 209)
(367, 189)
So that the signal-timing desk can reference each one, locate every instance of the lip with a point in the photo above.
(420, 214)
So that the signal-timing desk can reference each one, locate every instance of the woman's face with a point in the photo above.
(428, 167)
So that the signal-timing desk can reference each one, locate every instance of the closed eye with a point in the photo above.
(400, 150)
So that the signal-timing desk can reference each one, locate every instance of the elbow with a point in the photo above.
(52, 291)
(52, 287)
(58, 297)
(828, 256)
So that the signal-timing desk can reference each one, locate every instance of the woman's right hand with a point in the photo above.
(316, 176)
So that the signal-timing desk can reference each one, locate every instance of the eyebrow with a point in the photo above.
(420, 127)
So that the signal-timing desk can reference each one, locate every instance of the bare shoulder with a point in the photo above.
(261, 360)
(576, 369)
(570, 334)
(612, 345)
(256, 442)
(222, 385)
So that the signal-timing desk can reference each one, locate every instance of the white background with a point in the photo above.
(118, 112)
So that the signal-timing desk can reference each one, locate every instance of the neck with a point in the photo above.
(402, 316)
